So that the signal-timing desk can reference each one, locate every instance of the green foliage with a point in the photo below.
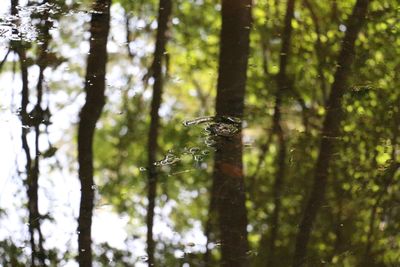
(360, 215)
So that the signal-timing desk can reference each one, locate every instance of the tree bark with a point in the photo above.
(164, 14)
(228, 168)
(330, 131)
(89, 115)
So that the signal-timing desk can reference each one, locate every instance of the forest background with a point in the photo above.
(200, 133)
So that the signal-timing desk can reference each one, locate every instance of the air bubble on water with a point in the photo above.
(198, 158)
(205, 152)
(209, 141)
(143, 258)
(213, 245)
(190, 244)
(194, 150)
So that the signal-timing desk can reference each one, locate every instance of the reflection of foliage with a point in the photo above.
(11, 255)
(193, 51)
(109, 256)
(360, 216)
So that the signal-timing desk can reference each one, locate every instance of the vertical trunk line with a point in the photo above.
(330, 131)
(164, 13)
(26, 123)
(228, 167)
(89, 115)
(38, 119)
(282, 87)
(318, 50)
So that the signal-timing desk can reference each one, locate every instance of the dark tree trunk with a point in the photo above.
(31, 167)
(31, 189)
(90, 113)
(228, 168)
(164, 13)
(38, 118)
(282, 87)
(331, 130)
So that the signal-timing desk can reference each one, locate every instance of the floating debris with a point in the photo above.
(170, 159)
(225, 126)
(223, 129)
(198, 121)
(216, 119)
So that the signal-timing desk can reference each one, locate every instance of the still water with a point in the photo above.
(199, 133)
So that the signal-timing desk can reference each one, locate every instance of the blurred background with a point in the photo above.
(199, 133)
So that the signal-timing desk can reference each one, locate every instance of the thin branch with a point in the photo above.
(4, 59)
(318, 51)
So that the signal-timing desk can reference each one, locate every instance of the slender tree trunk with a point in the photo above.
(31, 178)
(282, 87)
(228, 169)
(318, 47)
(38, 120)
(32, 203)
(128, 36)
(164, 13)
(4, 59)
(330, 131)
(90, 113)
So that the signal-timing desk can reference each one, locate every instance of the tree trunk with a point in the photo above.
(164, 13)
(319, 52)
(282, 87)
(38, 117)
(331, 130)
(25, 145)
(228, 169)
(90, 113)
(31, 167)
